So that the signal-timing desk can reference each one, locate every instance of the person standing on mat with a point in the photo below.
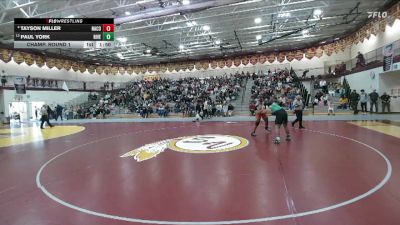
(45, 116)
(59, 110)
(385, 102)
(298, 110)
(363, 101)
(261, 113)
(354, 99)
(281, 119)
(373, 97)
(36, 112)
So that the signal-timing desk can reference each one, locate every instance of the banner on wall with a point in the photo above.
(5, 55)
(19, 84)
(388, 57)
(151, 77)
(65, 87)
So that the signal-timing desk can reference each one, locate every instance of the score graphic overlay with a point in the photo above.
(63, 33)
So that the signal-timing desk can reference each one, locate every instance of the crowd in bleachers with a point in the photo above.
(205, 97)
(273, 86)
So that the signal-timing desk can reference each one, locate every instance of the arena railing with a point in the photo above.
(55, 84)
(372, 58)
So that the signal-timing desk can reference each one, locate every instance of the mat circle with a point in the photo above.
(209, 143)
(252, 220)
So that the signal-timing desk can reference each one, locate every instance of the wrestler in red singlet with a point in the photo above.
(261, 113)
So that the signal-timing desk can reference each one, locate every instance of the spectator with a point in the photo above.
(373, 97)
(360, 60)
(28, 80)
(343, 102)
(305, 73)
(340, 68)
(385, 98)
(59, 110)
(252, 108)
(230, 109)
(3, 80)
(330, 103)
(363, 101)
(36, 112)
(354, 99)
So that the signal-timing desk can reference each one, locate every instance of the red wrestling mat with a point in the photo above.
(208, 173)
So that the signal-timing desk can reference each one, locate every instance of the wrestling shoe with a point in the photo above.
(277, 140)
(288, 137)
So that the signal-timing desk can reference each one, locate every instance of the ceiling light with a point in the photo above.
(284, 14)
(258, 37)
(181, 46)
(185, 2)
(191, 23)
(148, 51)
(257, 20)
(217, 42)
(119, 55)
(206, 27)
(336, 39)
(317, 13)
(122, 39)
(127, 13)
(305, 32)
(70, 16)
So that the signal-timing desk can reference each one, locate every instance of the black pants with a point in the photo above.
(45, 118)
(59, 115)
(299, 117)
(354, 106)
(363, 106)
(371, 106)
(385, 105)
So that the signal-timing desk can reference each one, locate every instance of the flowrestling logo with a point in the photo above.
(379, 15)
(210, 143)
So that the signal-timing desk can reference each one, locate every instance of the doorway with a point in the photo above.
(35, 109)
(18, 111)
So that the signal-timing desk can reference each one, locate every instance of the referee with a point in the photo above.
(45, 116)
(298, 110)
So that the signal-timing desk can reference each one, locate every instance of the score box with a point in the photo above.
(108, 27)
(108, 36)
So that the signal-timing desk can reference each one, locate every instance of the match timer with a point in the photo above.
(64, 33)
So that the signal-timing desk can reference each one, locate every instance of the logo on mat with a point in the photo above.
(209, 143)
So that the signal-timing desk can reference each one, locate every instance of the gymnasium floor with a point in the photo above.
(109, 172)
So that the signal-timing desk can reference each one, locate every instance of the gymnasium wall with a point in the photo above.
(367, 80)
(390, 83)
